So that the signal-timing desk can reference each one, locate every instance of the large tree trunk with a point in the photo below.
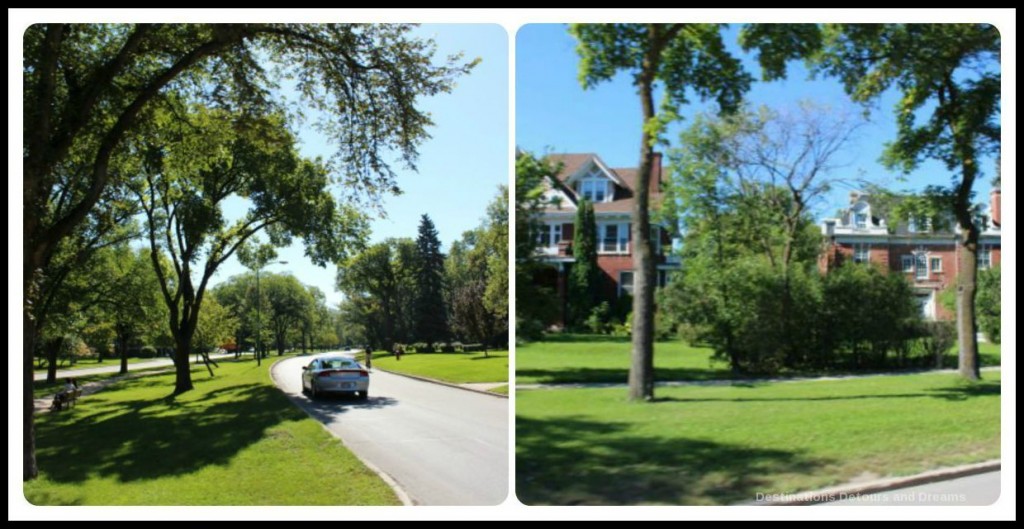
(29, 468)
(641, 369)
(52, 348)
(967, 332)
(123, 353)
(183, 373)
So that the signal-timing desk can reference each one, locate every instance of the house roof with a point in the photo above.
(626, 178)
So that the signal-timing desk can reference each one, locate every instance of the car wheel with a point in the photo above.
(363, 395)
(312, 390)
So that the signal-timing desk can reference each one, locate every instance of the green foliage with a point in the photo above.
(584, 276)
(379, 286)
(689, 58)
(866, 315)
(599, 320)
(937, 338)
(989, 306)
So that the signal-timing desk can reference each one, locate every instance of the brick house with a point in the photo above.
(928, 258)
(611, 191)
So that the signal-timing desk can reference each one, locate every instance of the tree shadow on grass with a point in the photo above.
(967, 390)
(153, 438)
(573, 461)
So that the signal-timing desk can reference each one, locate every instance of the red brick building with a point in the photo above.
(611, 191)
(929, 258)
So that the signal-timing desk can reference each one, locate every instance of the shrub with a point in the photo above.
(937, 338)
(988, 303)
(147, 351)
(598, 320)
(528, 329)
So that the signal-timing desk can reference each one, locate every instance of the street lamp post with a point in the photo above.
(259, 320)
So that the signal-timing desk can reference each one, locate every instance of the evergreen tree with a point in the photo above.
(430, 316)
(584, 277)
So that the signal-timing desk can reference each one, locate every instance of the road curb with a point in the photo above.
(853, 490)
(403, 496)
(442, 383)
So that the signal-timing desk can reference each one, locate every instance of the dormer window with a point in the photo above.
(594, 189)
(861, 220)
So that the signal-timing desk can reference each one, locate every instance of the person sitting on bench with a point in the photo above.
(65, 395)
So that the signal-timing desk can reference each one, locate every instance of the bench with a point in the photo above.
(68, 400)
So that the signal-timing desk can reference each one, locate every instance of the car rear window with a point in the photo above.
(337, 363)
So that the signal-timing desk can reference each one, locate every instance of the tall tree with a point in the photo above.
(584, 276)
(87, 86)
(289, 307)
(495, 240)
(949, 79)
(677, 58)
(429, 314)
(197, 159)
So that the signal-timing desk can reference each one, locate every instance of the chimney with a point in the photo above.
(996, 207)
(654, 186)
(854, 197)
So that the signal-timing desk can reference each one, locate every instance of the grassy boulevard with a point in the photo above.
(234, 440)
(457, 368)
(700, 445)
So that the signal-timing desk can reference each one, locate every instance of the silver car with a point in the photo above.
(335, 374)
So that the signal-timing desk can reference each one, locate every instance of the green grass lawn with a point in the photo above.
(500, 389)
(233, 440)
(91, 364)
(458, 368)
(598, 358)
(723, 444)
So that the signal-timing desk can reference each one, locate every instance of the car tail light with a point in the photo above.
(325, 373)
(363, 373)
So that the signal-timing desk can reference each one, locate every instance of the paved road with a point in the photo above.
(115, 367)
(979, 489)
(444, 446)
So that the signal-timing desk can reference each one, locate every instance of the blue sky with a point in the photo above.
(460, 166)
(554, 114)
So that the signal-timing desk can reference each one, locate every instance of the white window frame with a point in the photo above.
(932, 261)
(622, 288)
(861, 247)
(622, 236)
(553, 230)
(984, 256)
(908, 263)
(920, 272)
(857, 220)
(590, 185)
